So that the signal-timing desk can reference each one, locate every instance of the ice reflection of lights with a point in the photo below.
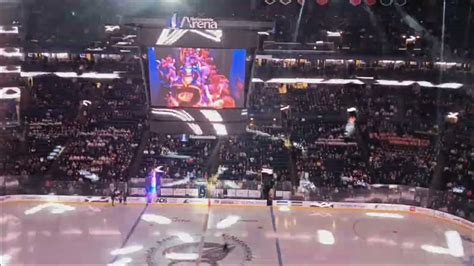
(455, 247)
(227, 222)
(4, 259)
(454, 243)
(102, 232)
(408, 245)
(56, 208)
(154, 218)
(71, 232)
(35, 209)
(181, 256)
(121, 262)
(289, 236)
(185, 237)
(326, 237)
(284, 208)
(435, 249)
(126, 250)
(321, 214)
(93, 209)
(382, 241)
(9, 237)
(385, 215)
(8, 218)
(57, 211)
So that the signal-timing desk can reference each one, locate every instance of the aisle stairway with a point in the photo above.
(138, 157)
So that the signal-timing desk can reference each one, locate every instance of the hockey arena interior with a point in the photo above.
(249, 132)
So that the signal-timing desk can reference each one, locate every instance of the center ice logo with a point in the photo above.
(173, 250)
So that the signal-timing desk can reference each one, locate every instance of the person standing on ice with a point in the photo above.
(124, 197)
(112, 198)
(115, 194)
(225, 247)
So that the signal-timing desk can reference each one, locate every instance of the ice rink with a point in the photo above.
(98, 234)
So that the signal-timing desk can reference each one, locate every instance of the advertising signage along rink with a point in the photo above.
(197, 77)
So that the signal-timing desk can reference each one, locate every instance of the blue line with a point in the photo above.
(277, 241)
(130, 233)
(204, 230)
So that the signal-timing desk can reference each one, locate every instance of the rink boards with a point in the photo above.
(293, 204)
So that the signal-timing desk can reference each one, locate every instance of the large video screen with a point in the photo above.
(197, 77)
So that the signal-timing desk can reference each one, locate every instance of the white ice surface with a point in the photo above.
(89, 234)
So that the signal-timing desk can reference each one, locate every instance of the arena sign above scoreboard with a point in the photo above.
(202, 32)
(177, 22)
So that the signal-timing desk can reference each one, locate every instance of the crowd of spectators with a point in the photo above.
(178, 158)
(80, 63)
(333, 164)
(264, 99)
(92, 130)
(76, 130)
(324, 157)
(329, 99)
(105, 153)
(402, 160)
(230, 158)
(398, 154)
(458, 155)
(396, 139)
(47, 127)
(378, 69)
(244, 156)
(111, 122)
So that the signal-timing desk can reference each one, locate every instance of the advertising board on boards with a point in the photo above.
(296, 203)
(96, 199)
(223, 202)
(350, 205)
(390, 207)
(320, 204)
(243, 202)
(4, 198)
(281, 202)
(194, 201)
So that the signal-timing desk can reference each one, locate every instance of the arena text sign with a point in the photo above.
(192, 23)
